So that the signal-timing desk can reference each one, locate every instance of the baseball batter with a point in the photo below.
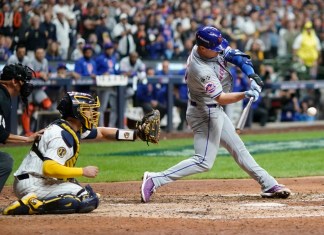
(209, 87)
(45, 180)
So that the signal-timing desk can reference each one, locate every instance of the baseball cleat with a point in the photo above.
(147, 188)
(277, 191)
(25, 206)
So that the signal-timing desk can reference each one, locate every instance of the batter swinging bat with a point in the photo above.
(241, 122)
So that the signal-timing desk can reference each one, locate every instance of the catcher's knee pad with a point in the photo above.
(89, 201)
(61, 204)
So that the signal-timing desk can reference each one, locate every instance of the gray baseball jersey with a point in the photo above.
(206, 79)
(53, 147)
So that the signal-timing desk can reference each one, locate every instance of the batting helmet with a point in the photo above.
(81, 106)
(211, 38)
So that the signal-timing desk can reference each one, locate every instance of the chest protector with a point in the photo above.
(76, 143)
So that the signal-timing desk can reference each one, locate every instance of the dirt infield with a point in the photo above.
(186, 207)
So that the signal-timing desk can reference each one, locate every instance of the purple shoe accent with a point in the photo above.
(147, 188)
(277, 191)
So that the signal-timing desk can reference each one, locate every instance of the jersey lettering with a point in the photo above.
(2, 122)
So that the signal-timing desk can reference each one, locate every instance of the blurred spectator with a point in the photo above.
(62, 33)
(49, 28)
(20, 56)
(287, 35)
(40, 64)
(258, 113)
(180, 100)
(169, 50)
(290, 100)
(5, 52)
(56, 93)
(53, 52)
(86, 65)
(90, 20)
(60, 6)
(147, 97)
(307, 49)
(26, 15)
(133, 67)
(93, 42)
(110, 21)
(39, 98)
(73, 33)
(102, 31)
(6, 24)
(289, 106)
(156, 47)
(123, 34)
(141, 40)
(77, 52)
(35, 36)
(107, 64)
(255, 49)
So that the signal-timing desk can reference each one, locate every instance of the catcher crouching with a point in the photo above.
(45, 181)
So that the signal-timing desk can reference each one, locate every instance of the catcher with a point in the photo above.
(44, 182)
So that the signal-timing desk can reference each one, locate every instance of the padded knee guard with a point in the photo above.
(67, 203)
(61, 204)
(89, 202)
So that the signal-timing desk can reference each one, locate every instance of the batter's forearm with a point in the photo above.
(229, 98)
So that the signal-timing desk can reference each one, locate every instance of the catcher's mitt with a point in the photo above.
(148, 129)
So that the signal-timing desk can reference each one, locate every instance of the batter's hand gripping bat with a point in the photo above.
(241, 122)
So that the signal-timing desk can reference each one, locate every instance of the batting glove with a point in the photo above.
(252, 93)
(257, 79)
(255, 86)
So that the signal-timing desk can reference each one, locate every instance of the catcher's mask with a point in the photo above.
(22, 73)
(81, 106)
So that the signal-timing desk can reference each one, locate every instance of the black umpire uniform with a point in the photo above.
(6, 161)
(14, 81)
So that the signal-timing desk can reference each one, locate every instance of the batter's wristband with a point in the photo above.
(127, 135)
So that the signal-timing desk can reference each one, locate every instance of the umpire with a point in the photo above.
(14, 81)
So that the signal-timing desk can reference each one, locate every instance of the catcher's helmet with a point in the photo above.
(211, 38)
(81, 106)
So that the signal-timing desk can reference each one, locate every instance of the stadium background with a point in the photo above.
(186, 207)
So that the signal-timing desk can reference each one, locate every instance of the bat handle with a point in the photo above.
(242, 120)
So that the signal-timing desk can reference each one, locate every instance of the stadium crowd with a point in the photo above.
(124, 37)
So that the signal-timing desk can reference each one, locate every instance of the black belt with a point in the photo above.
(193, 103)
(22, 176)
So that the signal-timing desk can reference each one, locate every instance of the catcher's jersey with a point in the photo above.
(55, 144)
(207, 78)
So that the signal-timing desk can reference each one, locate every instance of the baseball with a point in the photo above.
(311, 111)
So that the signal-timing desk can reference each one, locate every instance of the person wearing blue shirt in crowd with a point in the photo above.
(85, 67)
(180, 97)
(107, 63)
(148, 95)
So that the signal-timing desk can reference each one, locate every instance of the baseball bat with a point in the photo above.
(241, 122)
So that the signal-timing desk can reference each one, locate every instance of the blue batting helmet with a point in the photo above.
(211, 38)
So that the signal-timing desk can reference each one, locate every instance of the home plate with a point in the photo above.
(264, 204)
